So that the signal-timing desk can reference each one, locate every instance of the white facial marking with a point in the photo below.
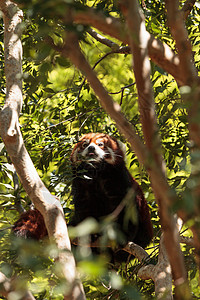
(85, 143)
(122, 146)
(100, 142)
(74, 156)
(98, 153)
(111, 157)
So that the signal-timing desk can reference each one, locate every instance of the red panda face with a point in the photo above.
(97, 147)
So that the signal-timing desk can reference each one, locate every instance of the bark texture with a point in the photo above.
(160, 273)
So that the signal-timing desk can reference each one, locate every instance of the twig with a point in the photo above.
(97, 62)
(122, 91)
(102, 39)
(111, 93)
(114, 46)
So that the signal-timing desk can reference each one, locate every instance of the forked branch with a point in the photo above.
(159, 273)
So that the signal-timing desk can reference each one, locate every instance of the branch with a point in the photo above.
(159, 273)
(102, 39)
(159, 52)
(142, 71)
(5, 285)
(187, 67)
(7, 289)
(179, 33)
(137, 251)
(187, 7)
(46, 203)
(138, 40)
(13, 67)
(114, 46)
(178, 30)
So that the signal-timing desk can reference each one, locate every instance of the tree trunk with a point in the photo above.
(46, 203)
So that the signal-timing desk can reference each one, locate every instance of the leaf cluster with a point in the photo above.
(59, 106)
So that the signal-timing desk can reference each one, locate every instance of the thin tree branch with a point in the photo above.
(114, 46)
(102, 39)
(179, 33)
(187, 7)
(142, 70)
(137, 251)
(187, 67)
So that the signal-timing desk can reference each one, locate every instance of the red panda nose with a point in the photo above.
(91, 149)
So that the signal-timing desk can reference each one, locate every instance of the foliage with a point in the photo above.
(58, 107)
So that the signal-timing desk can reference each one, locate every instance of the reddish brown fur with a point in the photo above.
(30, 225)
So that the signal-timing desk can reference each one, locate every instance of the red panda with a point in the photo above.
(100, 183)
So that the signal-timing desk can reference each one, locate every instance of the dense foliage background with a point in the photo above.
(59, 106)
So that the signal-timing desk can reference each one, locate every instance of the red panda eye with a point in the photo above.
(85, 144)
(100, 144)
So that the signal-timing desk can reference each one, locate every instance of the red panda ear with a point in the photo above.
(75, 150)
(122, 147)
(73, 155)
